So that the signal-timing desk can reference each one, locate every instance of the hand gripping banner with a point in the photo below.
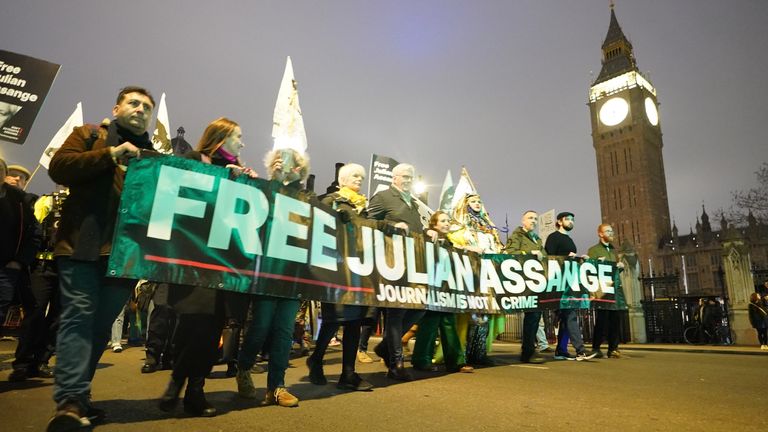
(188, 223)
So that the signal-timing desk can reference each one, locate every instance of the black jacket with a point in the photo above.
(20, 233)
(390, 206)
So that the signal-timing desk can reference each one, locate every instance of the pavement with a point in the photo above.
(654, 388)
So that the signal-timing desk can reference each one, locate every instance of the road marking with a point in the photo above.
(530, 367)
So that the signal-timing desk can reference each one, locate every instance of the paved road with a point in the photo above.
(652, 390)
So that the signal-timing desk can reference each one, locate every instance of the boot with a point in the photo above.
(399, 373)
(316, 374)
(194, 399)
(170, 398)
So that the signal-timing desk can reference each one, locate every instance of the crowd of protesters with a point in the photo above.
(54, 251)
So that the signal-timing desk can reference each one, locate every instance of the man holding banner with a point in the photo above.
(397, 205)
(525, 241)
(606, 320)
(560, 243)
(91, 162)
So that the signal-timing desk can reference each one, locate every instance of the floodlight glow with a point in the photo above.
(419, 187)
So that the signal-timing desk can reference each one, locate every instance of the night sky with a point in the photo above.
(497, 86)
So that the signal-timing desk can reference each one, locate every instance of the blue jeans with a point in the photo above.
(90, 302)
(273, 316)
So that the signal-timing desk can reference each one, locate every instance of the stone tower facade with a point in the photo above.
(626, 134)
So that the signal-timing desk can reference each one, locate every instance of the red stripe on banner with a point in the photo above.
(576, 299)
(207, 266)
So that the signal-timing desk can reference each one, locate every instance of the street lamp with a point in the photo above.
(420, 189)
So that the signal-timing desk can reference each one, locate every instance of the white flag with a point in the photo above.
(74, 120)
(161, 138)
(287, 122)
(463, 188)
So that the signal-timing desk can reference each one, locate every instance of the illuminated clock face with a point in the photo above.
(651, 112)
(614, 111)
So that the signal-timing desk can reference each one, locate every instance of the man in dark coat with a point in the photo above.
(92, 163)
(19, 239)
(397, 206)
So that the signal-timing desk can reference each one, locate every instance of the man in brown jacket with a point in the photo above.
(92, 163)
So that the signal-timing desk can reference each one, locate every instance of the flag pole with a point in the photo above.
(29, 180)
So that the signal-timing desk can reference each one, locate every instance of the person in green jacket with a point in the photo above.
(525, 241)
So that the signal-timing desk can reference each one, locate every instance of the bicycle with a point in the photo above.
(697, 334)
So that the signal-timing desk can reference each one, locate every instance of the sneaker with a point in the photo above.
(95, 415)
(68, 418)
(281, 397)
(363, 357)
(334, 342)
(258, 369)
(614, 354)
(764, 347)
(599, 354)
(547, 350)
(584, 356)
(353, 382)
(245, 387)
(117, 348)
(564, 356)
(45, 371)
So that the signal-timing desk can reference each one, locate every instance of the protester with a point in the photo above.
(351, 204)
(37, 338)
(525, 241)
(19, 239)
(607, 322)
(476, 233)
(445, 322)
(17, 176)
(396, 205)
(560, 243)
(758, 317)
(201, 312)
(274, 316)
(91, 162)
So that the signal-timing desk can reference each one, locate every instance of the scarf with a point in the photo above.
(358, 200)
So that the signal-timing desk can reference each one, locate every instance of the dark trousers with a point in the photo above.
(530, 328)
(424, 348)
(398, 322)
(161, 324)
(196, 344)
(607, 323)
(348, 344)
(762, 335)
(9, 283)
(368, 329)
(37, 339)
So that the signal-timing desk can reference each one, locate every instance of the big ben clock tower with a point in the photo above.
(626, 134)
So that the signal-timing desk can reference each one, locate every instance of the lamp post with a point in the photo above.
(420, 190)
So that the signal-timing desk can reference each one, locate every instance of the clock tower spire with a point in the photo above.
(626, 135)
